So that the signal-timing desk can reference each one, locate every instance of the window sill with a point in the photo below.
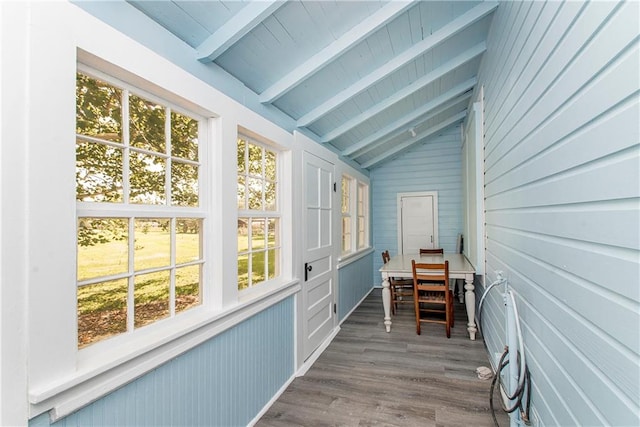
(92, 382)
(347, 259)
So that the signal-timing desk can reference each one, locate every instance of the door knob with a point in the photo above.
(307, 269)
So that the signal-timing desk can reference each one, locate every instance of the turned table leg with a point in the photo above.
(470, 303)
(386, 303)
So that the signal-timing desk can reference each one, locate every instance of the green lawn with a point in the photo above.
(102, 307)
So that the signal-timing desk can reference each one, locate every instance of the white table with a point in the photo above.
(459, 268)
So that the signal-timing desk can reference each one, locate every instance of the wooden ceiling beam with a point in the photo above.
(454, 27)
(327, 55)
(414, 87)
(446, 100)
(235, 28)
(413, 141)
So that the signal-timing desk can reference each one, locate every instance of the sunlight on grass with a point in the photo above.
(102, 307)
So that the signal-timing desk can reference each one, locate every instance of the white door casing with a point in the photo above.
(417, 221)
(317, 286)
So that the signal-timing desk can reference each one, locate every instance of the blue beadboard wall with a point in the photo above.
(435, 165)
(355, 280)
(225, 381)
(562, 161)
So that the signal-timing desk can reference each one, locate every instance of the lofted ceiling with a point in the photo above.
(367, 78)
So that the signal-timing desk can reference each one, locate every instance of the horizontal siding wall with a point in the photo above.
(224, 382)
(432, 166)
(562, 160)
(355, 281)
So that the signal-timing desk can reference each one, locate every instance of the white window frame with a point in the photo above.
(59, 380)
(265, 214)
(347, 216)
(131, 211)
(362, 214)
(358, 209)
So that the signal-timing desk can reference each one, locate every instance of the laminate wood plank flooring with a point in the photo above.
(368, 377)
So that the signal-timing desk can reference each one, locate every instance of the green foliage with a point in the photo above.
(100, 150)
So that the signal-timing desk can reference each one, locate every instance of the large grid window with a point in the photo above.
(346, 214)
(258, 213)
(139, 216)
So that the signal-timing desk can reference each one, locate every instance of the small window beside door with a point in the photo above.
(355, 215)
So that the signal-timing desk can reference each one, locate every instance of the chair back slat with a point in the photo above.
(436, 251)
(432, 276)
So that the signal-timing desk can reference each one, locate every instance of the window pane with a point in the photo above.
(146, 124)
(345, 195)
(243, 234)
(242, 146)
(257, 267)
(184, 184)
(270, 196)
(103, 247)
(151, 297)
(98, 173)
(187, 240)
(255, 194)
(243, 272)
(270, 171)
(187, 287)
(98, 109)
(273, 233)
(255, 160)
(257, 234)
(152, 244)
(184, 137)
(274, 269)
(147, 179)
(346, 234)
(102, 311)
(242, 192)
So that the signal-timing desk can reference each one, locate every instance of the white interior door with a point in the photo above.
(317, 288)
(418, 221)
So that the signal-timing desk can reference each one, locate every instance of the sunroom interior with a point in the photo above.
(216, 207)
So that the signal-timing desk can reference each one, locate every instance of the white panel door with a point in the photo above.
(418, 222)
(317, 289)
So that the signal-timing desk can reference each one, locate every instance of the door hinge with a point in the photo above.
(335, 307)
(335, 187)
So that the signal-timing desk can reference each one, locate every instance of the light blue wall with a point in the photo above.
(355, 282)
(562, 202)
(225, 381)
(433, 166)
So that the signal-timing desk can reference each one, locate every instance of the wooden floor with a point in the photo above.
(370, 377)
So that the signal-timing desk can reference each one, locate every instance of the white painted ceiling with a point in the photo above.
(368, 78)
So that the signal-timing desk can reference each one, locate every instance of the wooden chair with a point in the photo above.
(401, 289)
(438, 251)
(431, 288)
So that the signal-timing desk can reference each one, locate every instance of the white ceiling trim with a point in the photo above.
(432, 76)
(235, 28)
(435, 129)
(334, 50)
(447, 31)
(450, 95)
